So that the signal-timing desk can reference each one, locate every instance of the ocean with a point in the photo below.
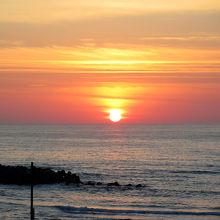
(178, 167)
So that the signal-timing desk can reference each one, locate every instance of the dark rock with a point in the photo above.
(21, 175)
(113, 184)
(99, 183)
(91, 183)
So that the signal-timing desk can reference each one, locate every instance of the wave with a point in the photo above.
(195, 172)
(87, 210)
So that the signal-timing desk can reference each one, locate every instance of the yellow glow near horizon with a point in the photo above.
(134, 59)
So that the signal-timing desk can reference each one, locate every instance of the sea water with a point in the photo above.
(178, 167)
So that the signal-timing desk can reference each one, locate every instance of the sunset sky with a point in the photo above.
(73, 61)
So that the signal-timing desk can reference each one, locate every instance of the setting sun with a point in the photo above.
(115, 115)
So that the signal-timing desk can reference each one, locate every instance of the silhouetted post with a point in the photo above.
(32, 190)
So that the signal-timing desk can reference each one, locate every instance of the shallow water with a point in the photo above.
(178, 166)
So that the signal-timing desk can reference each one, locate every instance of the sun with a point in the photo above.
(115, 115)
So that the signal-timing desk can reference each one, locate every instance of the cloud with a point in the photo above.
(41, 11)
(182, 29)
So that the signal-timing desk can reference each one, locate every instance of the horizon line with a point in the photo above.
(171, 123)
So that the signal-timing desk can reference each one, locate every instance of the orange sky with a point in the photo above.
(72, 61)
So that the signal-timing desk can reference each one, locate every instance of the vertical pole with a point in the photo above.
(32, 190)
